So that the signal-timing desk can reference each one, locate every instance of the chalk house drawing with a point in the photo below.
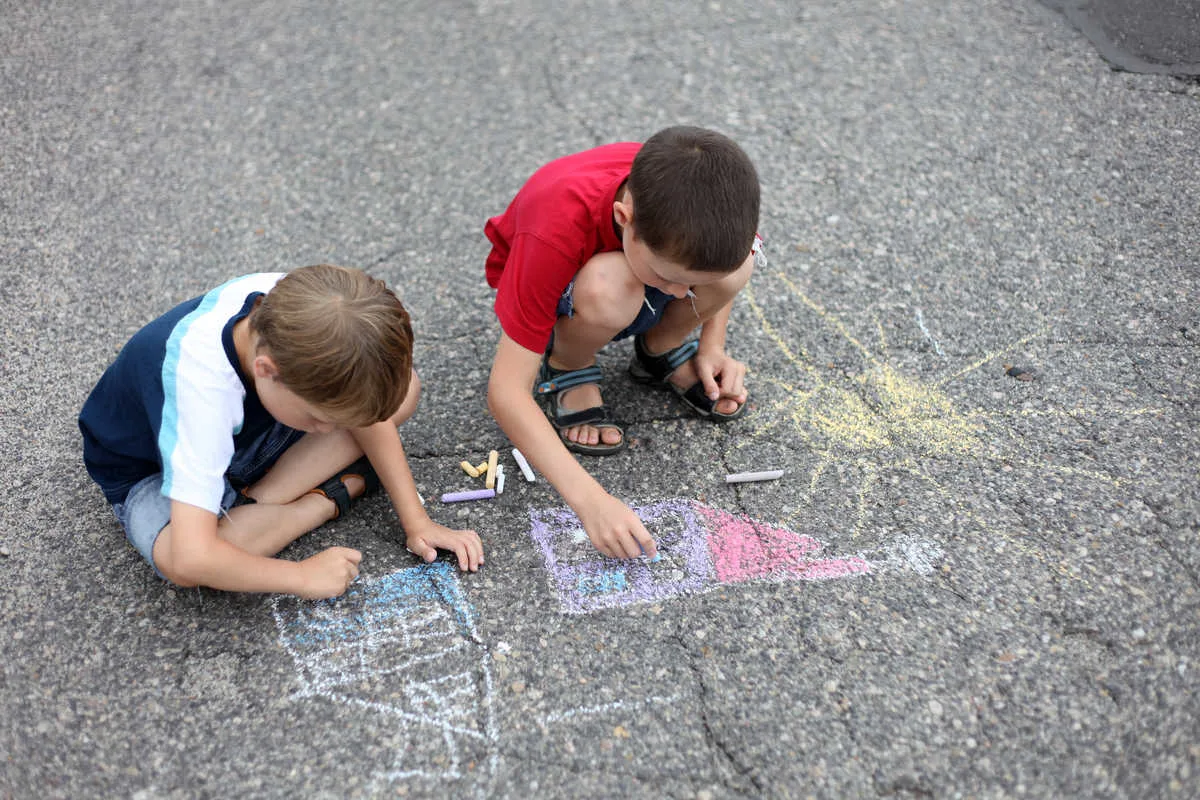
(699, 548)
(396, 646)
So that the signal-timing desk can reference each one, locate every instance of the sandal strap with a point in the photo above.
(698, 400)
(335, 487)
(661, 366)
(600, 416)
(557, 380)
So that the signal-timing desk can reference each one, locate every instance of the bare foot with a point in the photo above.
(685, 375)
(579, 399)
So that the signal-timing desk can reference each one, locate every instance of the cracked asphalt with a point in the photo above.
(973, 351)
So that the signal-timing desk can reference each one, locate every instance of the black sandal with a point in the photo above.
(335, 488)
(656, 370)
(553, 382)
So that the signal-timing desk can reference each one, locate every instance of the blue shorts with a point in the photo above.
(145, 511)
(648, 316)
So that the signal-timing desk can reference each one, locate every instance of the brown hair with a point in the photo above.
(695, 198)
(341, 341)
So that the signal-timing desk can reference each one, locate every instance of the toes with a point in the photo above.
(591, 435)
(355, 485)
(582, 434)
(726, 405)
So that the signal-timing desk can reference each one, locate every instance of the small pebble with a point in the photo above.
(1019, 373)
(4, 552)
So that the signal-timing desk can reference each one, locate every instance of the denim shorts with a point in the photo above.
(146, 511)
(648, 316)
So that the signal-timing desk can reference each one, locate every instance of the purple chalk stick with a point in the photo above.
(477, 494)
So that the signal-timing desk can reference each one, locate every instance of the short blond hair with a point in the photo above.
(341, 341)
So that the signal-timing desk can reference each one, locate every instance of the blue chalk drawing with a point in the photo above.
(406, 646)
(602, 583)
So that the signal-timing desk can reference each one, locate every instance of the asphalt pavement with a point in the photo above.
(973, 351)
(1152, 36)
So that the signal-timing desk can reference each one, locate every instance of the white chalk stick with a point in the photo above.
(499, 479)
(746, 477)
(523, 464)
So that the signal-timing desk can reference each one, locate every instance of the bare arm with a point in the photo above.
(721, 374)
(382, 446)
(190, 553)
(611, 525)
(712, 332)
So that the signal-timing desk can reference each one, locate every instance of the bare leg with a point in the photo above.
(264, 528)
(607, 298)
(285, 506)
(317, 456)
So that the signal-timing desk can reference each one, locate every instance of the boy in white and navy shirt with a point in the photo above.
(216, 430)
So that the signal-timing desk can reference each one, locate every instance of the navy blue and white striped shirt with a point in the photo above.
(175, 401)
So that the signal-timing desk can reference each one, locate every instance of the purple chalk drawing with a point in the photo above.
(700, 547)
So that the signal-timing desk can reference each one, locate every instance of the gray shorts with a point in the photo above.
(145, 511)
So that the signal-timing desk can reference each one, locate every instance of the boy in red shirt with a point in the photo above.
(646, 240)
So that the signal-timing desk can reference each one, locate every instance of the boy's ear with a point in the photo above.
(623, 210)
(264, 366)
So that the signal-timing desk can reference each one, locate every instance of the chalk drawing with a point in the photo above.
(700, 547)
(937, 348)
(404, 646)
(869, 419)
(615, 707)
(906, 551)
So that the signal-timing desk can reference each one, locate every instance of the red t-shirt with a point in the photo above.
(560, 218)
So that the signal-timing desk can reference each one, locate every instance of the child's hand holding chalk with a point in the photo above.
(615, 529)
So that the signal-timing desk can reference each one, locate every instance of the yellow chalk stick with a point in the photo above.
(493, 459)
(481, 468)
(467, 468)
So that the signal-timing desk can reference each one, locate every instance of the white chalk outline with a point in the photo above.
(440, 704)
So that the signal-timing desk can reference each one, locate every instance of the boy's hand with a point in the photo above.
(424, 542)
(328, 573)
(615, 530)
(721, 374)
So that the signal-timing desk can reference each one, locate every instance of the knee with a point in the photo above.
(606, 293)
(411, 399)
(167, 564)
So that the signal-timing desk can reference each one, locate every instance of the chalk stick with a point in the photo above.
(746, 477)
(476, 494)
(481, 467)
(526, 470)
(500, 479)
(493, 459)
(470, 470)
